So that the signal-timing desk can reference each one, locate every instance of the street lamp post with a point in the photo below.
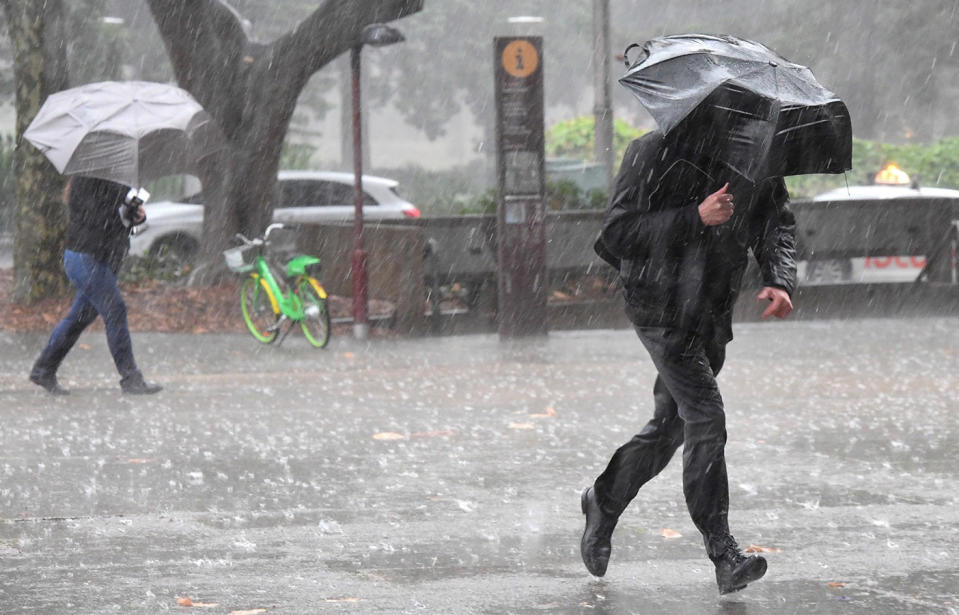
(378, 35)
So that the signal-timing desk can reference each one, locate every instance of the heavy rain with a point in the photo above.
(236, 380)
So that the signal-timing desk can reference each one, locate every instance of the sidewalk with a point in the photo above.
(443, 475)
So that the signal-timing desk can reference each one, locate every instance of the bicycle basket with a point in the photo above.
(241, 258)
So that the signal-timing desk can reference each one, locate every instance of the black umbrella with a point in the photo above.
(742, 103)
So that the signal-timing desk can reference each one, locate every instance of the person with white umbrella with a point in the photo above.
(112, 136)
(102, 212)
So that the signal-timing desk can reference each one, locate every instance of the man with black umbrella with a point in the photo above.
(688, 204)
(678, 228)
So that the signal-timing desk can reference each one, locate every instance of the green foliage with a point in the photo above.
(485, 203)
(935, 164)
(574, 138)
(597, 199)
(565, 195)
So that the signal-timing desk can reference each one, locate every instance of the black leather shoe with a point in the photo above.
(48, 382)
(735, 570)
(136, 385)
(595, 546)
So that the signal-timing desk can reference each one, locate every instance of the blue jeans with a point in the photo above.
(97, 294)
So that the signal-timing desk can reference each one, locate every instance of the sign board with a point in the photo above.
(521, 227)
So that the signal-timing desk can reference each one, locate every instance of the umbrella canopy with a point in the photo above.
(742, 103)
(125, 131)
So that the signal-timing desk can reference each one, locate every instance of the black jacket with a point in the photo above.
(95, 226)
(676, 271)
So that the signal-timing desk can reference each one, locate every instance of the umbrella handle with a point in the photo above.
(626, 54)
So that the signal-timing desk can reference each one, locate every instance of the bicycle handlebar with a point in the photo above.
(246, 241)
(260, 241)
(271, 228)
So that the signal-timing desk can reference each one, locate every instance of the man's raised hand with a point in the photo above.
(717, 208)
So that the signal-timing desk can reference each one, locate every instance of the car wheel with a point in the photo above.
(174, 256)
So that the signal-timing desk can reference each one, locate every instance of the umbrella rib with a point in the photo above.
(806, 125)
(737, 111)
(695, 166)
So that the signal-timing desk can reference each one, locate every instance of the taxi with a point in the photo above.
(890, 182)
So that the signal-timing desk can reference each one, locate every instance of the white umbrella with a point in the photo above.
(126, 131)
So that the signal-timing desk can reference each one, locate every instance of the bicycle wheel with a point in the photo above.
(316, 324)
(258, 311)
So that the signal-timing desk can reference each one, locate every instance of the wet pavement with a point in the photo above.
(443, 475)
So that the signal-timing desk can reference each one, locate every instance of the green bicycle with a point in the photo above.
(270, 302)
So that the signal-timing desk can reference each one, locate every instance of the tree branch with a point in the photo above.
(204, 39)
(333, 28)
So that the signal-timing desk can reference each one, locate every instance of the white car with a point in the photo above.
(876, 269)
(880, 191)
(173, 229)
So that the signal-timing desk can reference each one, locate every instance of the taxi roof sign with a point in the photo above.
(892, 175)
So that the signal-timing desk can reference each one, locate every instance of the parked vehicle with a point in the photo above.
(173, 229)
(878, 191)
(891, 182)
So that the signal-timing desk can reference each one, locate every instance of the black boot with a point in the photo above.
(134, 384)
(48, 381)
(595, 546)
(733, 569)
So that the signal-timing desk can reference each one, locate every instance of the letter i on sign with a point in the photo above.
(520, 58)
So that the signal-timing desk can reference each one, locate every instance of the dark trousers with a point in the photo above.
(97, 294)
(689, 412)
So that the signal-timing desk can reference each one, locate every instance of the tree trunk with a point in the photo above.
(251, 90)
(238, 184)
(40, 69)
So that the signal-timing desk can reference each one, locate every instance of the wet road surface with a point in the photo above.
(443, 475)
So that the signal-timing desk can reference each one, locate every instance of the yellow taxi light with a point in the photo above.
(893, 175)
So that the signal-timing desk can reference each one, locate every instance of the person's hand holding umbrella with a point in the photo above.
(132, 212)
(139, 215)
(717, 208)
